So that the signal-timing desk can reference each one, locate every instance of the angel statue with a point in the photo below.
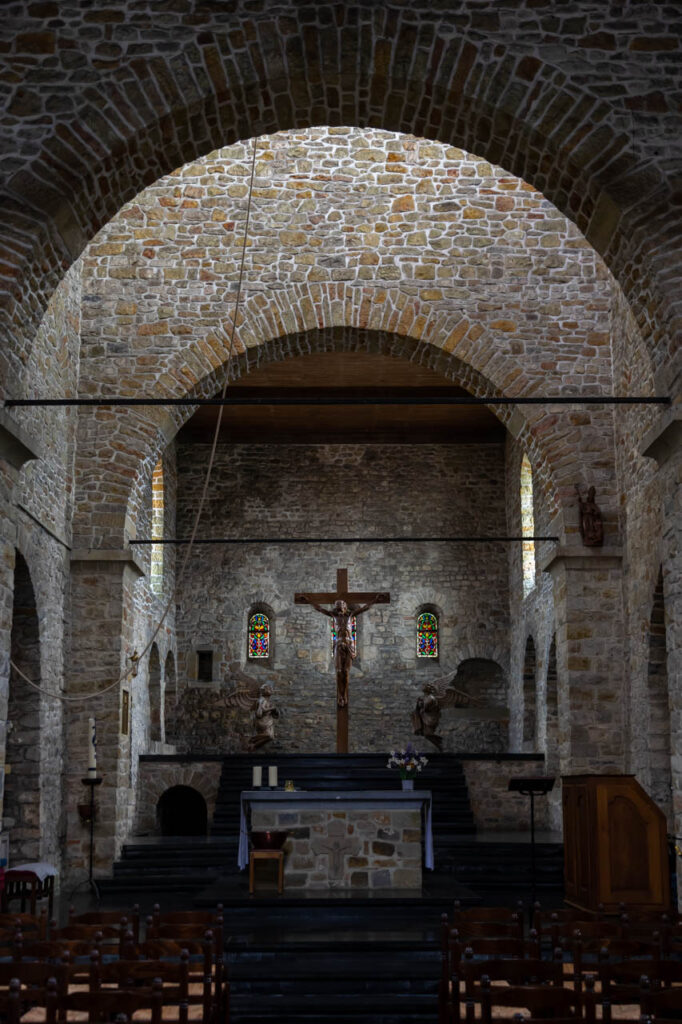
(436, 696)
(250, 695)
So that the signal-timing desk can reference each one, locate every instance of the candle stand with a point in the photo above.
(92, 884)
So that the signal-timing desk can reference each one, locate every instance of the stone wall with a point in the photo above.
(495, 809)
(363, 228)
(580, 101)
(357, 849)
(155, 778)
(382, 490)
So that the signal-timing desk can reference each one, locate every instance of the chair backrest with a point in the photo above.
(125, 920)
(492, 947)
(108, 1004)
(539, 1000)
(516, 972)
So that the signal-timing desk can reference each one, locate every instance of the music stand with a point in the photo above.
(537, 785)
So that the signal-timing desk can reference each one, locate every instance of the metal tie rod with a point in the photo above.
(343, 540)
(259, 400)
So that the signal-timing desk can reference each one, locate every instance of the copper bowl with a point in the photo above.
(268, 840)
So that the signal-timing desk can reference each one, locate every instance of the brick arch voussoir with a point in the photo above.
(329, 318)
(558, 154)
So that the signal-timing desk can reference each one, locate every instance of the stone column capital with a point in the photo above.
(17, 445)
(111, 556)
(574, 556)
(664, 440)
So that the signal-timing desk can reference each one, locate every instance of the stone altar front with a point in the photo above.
(351, 839)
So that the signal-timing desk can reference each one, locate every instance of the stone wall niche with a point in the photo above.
(181, 811)
(529, 697)
(660, 778)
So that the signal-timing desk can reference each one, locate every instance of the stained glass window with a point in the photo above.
(427, 635)
(353, 634)
(259, 636)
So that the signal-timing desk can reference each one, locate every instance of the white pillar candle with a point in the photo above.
(257, 776)
(272, 776)
(92, 746)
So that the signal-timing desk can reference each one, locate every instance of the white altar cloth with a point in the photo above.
(280, 799)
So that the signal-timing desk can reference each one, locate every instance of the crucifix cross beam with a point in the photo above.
(342, 593)
(355, 604)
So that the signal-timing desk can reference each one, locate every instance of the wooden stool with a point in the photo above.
(277, 855)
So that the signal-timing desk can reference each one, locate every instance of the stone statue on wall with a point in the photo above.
(253, 696)
(435, 697)
(591, 525)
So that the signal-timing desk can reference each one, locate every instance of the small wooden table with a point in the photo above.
(277, 855)
(24, 884)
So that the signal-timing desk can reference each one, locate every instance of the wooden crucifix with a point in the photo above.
(344, 607)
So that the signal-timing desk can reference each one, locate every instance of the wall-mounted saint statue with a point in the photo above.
(251, 695)
(436, 696)
(591, 525)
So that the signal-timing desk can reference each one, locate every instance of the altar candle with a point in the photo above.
(272, 776)
(92, 746)
(257, 776)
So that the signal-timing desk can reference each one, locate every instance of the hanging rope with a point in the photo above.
(204, 493)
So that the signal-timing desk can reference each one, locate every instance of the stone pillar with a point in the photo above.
(102, 636)
(664, 444)
(589, 650)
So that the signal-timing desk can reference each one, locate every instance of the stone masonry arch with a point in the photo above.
(473, 75)
(544, 439)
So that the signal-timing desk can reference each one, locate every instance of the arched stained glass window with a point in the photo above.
(527, 526)
(427, 635)
(259, 636)
(353, 630)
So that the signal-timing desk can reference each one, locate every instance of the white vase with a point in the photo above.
(408, 783)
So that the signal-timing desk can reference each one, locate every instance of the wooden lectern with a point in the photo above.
(615, 845)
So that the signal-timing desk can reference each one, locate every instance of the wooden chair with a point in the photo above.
(109, 1004)
(486, 946)
(28, 924)
(10, 1002)
(621, 982)
(539, 1000)
(104, 937)
(469, 972)
(125, 920)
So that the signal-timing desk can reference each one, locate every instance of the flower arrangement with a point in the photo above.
(408, 761)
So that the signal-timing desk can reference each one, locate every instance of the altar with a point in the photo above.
(364, 839)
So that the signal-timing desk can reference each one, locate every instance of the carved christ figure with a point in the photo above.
(344, 653)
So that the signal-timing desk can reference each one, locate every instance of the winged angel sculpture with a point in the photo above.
(436, 696)
(250, 695)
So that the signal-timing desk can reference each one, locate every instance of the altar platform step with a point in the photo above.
(348, 976)
(444, 776)
(170, 864)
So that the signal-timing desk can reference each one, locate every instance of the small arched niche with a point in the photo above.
(529, 697)
(154, 694)
(182, 811)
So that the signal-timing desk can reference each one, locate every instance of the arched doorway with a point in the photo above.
(154, 695)
(529, 717)
(181, 811)
(22, 787)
